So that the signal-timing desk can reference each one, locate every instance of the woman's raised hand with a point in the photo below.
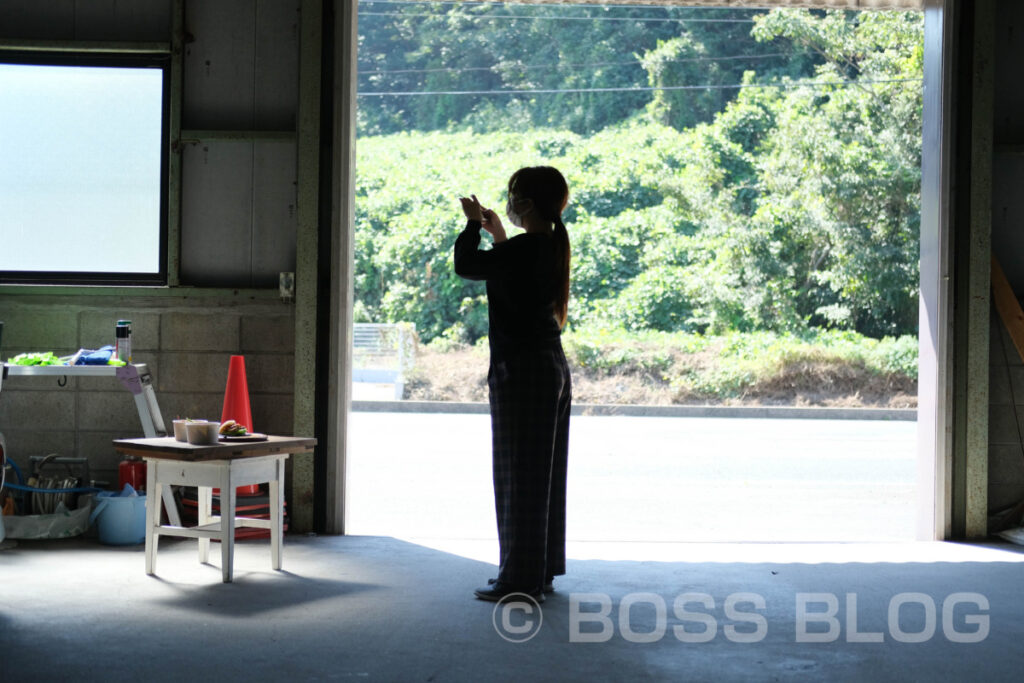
(488, 218)
(492, 224)
(471, 207)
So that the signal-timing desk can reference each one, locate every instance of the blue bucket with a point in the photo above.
(122, 518)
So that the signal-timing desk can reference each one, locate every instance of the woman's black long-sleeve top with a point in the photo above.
(521, 284)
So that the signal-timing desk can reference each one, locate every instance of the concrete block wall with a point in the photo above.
(186, 342)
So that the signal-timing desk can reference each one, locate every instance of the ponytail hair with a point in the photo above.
(546, 187)
(563, 257)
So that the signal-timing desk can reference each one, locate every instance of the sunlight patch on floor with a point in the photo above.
(486, 550)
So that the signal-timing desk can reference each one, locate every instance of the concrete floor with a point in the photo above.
(378, 608)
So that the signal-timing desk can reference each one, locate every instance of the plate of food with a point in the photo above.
(231, 431)
(244, 437)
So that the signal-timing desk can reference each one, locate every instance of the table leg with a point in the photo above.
(205, 501)
(152, 515)
(227, 523)
(173, 518)
(276, 514)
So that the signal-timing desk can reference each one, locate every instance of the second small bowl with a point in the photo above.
(203, 433)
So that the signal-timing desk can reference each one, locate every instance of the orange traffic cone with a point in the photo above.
(236, 396)
(236, 407)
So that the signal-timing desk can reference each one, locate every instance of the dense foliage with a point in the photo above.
(416, 47)
(787, 205)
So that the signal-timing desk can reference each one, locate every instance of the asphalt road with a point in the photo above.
(651, 479)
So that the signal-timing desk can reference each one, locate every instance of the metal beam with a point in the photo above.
(934, 440)
(342, 228)
(177, 90)
(86, 46)
(301, 479)
(978, 309)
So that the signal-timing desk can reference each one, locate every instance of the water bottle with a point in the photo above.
(123, 340)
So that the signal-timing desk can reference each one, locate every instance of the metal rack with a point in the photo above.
(135, 378)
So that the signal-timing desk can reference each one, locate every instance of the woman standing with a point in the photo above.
(530, 388)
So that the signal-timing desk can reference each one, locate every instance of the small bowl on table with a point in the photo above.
(203, 433)
(180, 430)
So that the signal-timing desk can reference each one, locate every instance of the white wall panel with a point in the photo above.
(216, 213)
(219, 64)
(31, 19)
(1009, 95)
(111, 20)
(241, 64)
(274, 197)
(276, 64)
(120, 20)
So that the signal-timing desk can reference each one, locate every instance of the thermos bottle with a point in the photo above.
(123, 340)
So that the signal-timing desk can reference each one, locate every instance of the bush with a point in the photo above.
(735, 365)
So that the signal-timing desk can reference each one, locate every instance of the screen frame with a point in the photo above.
(118, 60)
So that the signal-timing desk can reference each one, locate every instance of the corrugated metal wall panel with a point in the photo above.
(216, 213)
(273, 226)
(241, 74)
(111, 20)
(1009, 96)
(34, 20)
(1008, 215)
(276, 64)
(146, 20)
(219, 64)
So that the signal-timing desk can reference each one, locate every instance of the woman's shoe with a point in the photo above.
(548, 587)
(493, 592)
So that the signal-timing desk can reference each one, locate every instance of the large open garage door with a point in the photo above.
(933, 447)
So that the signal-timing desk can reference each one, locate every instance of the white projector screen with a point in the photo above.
(80, 169)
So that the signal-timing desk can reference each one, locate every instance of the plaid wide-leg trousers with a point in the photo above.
(530, 398)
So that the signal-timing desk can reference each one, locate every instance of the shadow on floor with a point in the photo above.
(377, 608)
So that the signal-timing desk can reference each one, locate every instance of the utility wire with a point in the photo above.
(525, 4)
(558, 18)
(737, 86)
(634, 62)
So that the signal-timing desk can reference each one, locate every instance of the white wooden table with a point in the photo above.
(225, 466)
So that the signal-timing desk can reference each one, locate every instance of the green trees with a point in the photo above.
(855, 152)
(426, 47)
(787, 202)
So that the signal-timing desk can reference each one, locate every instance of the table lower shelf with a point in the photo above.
(211, 530)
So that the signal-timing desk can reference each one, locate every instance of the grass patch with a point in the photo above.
(658, 368)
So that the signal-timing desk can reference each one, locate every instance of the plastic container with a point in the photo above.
(120, 519)
(180, 434)
(203, 433)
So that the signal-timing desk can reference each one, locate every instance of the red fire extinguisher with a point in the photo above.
(132, 471)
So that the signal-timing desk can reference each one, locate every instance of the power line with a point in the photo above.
(546, 91)
(525, 4)
(559, 18)
(558, 66)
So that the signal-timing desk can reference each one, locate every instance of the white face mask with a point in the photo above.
(514, 217)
